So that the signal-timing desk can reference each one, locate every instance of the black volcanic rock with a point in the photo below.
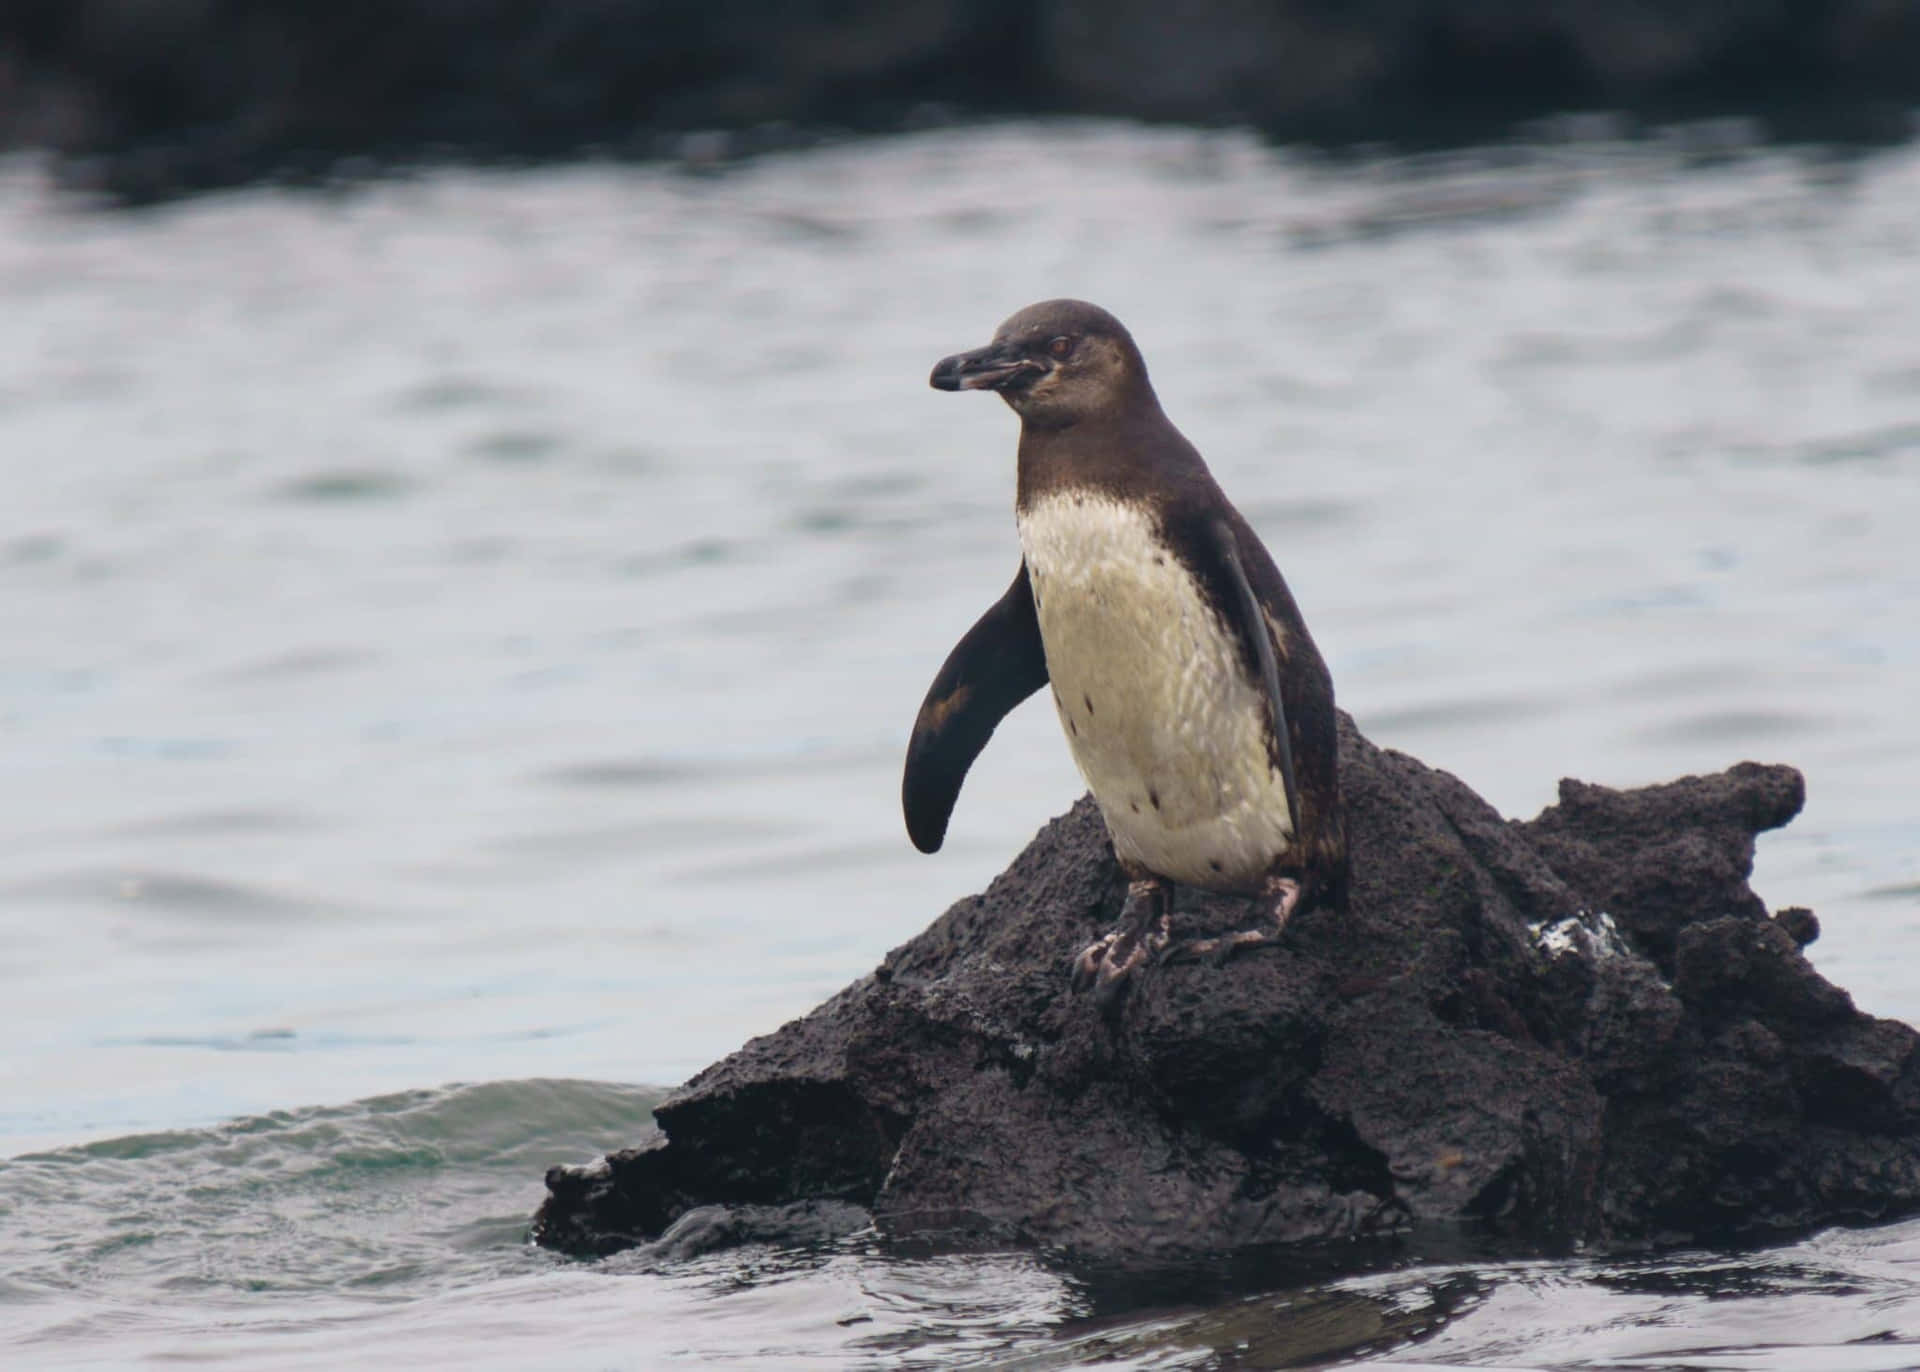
(148, 98)
(1581, 1027)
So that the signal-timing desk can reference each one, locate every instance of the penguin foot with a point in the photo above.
(1285, 894)
(1140, 937)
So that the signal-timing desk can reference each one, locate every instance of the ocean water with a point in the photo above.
(458, 635)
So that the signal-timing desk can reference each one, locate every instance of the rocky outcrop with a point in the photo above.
(155, 97)
(1584, 1026)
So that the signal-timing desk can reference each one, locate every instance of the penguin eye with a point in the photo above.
(1060, 346)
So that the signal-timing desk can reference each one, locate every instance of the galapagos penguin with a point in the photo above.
(1192, 696)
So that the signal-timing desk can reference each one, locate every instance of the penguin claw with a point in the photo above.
(1088, 966)
(1108, 992)
(1138, 940)
(1107, 966)
(1116, 974)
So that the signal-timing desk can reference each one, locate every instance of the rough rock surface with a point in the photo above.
(156, 97)
(1583, 1026)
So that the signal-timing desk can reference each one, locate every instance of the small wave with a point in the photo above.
(411, 1190)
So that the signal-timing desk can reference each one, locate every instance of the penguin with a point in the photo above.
(1193, 699)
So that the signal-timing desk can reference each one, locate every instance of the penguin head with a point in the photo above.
(1055, 363)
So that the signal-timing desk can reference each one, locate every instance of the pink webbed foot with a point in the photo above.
(1280, 894)
(1139, 938)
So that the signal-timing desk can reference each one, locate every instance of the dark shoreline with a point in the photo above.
(148, 101)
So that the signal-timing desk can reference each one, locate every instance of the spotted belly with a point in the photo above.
(1163, 720)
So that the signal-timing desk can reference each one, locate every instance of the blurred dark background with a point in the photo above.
(147, 98)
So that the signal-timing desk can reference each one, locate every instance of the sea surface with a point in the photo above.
(458, 635)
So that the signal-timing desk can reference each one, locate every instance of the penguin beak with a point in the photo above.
(992, 368)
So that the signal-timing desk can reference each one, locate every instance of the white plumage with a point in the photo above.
(1164, 722)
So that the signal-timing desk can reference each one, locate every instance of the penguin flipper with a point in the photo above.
(1253, 629)
(998, 664)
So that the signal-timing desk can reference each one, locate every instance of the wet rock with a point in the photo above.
(1585, 1026)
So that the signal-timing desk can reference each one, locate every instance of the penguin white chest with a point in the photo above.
(1164, 721)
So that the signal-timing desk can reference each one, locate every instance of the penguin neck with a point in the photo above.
(1128, 452)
